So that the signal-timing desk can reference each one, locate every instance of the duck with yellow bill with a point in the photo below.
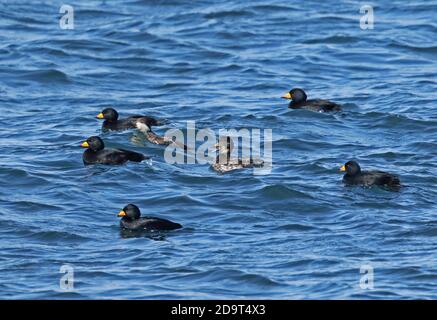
(131, 220)
(96, 153)
(299, 100)
(355, 176)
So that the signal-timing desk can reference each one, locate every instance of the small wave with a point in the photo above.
(295, 227)
(228, 14)
(45, 76)
(264, 8)
(55, 236)
(279, 192)
(232, 276)
(415, 48)
(340, 39)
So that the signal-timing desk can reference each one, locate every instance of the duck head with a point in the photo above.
(93, 143)
(130, 212)
(351, 168)
(109, 114)
(296, 95)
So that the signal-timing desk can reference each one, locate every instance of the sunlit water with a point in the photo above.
(294, 233)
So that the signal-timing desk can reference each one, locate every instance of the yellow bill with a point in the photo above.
(121, 213)
(85, 145)
(100, 116)
(343, 168)
(287, 96)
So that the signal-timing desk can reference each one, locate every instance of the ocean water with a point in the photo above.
(296, 233)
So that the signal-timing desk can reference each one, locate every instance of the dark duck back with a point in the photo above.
(299, 100)
(132, 220)
(97, 154)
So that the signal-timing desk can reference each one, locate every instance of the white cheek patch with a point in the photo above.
(143, 127)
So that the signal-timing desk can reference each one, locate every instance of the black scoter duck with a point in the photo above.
(110, 115)
(299, 100)
(97, 154)
(132, 220)
(354, 176)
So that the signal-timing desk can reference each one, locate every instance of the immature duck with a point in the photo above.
(224, 163)
(132, 220)
(110, 115)
(299, 100)
(156, 139)
(97, 154)
(354, 176)
(142, 123)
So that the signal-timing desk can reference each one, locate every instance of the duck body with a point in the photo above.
(128, 123)
(370, 178)
(299, 100)
(111, 156)
(317, 105)
(236, 164)
(149, 224)
(354, 176)
(132, 221)
(160, 140)
(96, 153)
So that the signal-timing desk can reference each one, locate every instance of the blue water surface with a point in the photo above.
(296, 233)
